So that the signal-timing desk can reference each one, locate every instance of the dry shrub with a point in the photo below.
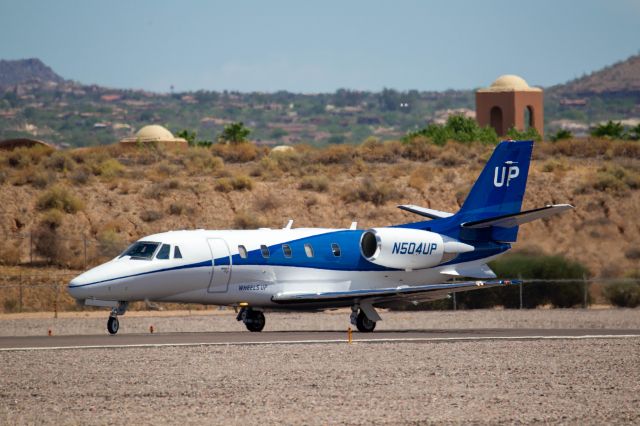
(420, 149)
(314, 183)
(369, 191)
(449, 159)
(244, 220)
(335, 154)
(288, 161)
(372, 150)
(3, 176)
(10, 253)
(238, 183)
(80, 176)
(60, 198)
(35, 177)
(177, 209)
(159, 190)
(267, 167)
(23, 157)
(555, 165)
(266, 202)
(109, 169)
(150, 215)
(46, 239)
(614, 179)
(581, 148)
(199, 159)
(110, 243)
(236, 153)
(60, 161)
(626, 149)
(417, 179)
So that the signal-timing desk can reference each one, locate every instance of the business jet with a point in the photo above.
(312, 269)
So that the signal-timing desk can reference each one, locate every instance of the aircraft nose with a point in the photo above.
(75, 285)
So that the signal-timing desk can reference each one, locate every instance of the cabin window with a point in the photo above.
(265, 251)
(242, 251)
(286, 249)
(308, 249)
(335, 248)
(141, 250)
(164, 252)
(176, 253)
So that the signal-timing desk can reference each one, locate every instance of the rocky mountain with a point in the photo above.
(621, 77)
(19, 71)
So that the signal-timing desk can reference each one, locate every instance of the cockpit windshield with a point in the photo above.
(141, 250)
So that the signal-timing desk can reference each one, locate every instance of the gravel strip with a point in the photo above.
(582, 382)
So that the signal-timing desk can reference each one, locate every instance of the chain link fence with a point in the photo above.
(35, 292)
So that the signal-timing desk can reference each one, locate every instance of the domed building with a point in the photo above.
(155, 135)
(510, 102)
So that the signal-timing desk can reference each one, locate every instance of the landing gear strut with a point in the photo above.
(112, 323)
(253, 320)
(361, 321)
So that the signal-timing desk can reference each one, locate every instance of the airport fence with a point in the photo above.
(46, 292)
(34, 248)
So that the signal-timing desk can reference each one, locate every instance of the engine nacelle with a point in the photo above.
(402, 248)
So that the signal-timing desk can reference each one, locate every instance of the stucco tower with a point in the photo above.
(510, 102)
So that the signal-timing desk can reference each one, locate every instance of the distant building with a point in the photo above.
(510, 102)
(11, 144)
(155, 135)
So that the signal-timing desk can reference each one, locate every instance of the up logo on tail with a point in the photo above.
(505, 173)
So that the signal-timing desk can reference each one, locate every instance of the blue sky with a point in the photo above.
(319, 46)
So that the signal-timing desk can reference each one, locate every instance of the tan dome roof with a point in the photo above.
(154, 132)
(510, 83)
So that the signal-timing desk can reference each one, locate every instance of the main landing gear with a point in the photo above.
(253, 320)
(112, 323)
(364, 317)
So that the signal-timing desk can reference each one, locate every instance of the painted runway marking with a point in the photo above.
(330, 341)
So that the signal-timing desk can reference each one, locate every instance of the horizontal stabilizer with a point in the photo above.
(381, 295)
(516, 219)
(474, 271)
(423, 211)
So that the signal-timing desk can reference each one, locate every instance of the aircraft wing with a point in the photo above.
(419, 293)
(516, 219)
(423, 211)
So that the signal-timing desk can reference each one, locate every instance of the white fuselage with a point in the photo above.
(231, 268)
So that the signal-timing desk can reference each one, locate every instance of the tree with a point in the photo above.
(634, 133)
(234, 133)
(561, 134)
(611, 130)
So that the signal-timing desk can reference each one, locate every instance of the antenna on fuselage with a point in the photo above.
(289, 224)
(354, 226)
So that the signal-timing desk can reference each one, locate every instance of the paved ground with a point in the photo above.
(300, 337)
(495, 367)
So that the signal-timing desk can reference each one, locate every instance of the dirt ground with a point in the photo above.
(574, 382)
(592, 381)
(71, 323)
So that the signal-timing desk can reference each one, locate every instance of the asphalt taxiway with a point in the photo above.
(138, 340)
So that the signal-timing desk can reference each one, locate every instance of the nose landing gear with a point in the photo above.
(253, 320)
(112, 323)
(364, 317)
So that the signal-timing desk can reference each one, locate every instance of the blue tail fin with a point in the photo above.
(500, 188)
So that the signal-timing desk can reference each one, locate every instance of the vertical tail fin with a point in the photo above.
(500, 188)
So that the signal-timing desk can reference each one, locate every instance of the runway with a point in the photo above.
(135, 340)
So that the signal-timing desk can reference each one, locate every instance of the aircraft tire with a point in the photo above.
(364, 324)
(113, 325)
(256, 321)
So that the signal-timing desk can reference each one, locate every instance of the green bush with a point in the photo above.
(625, 294)
(529, 134)
(561, 134)
(458, 128)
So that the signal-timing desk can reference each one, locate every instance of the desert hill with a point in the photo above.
(110, 197)
(621, 77)
(14, 72)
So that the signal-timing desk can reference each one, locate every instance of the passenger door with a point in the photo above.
(221, 269)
